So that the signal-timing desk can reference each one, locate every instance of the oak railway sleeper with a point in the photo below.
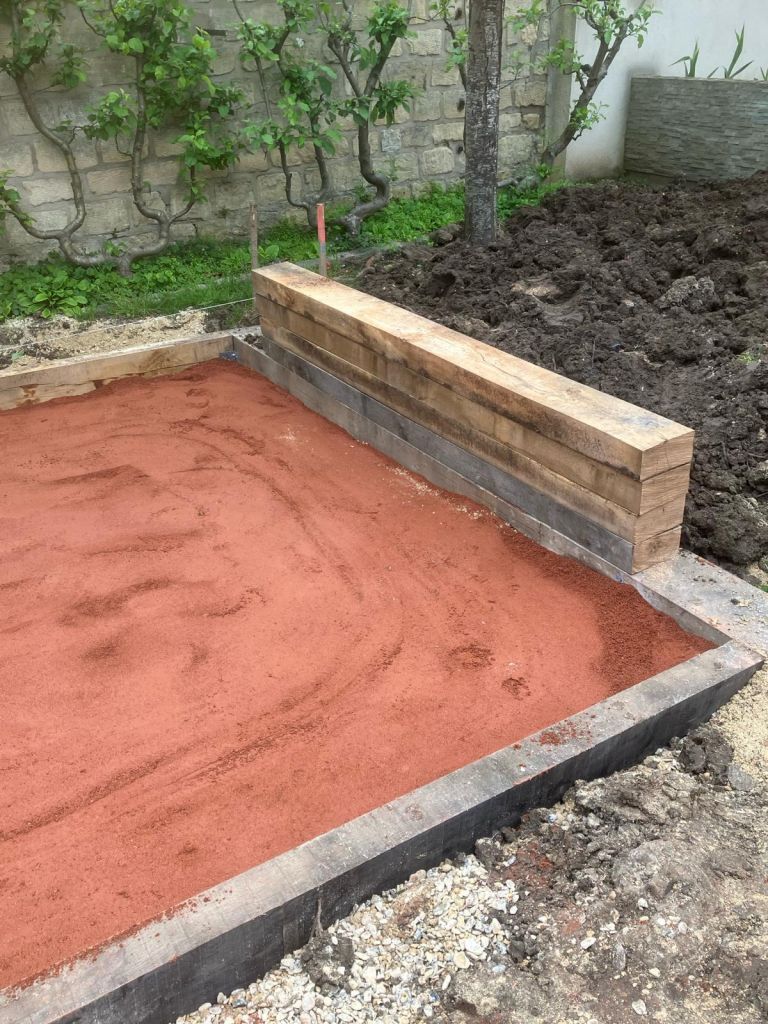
(403, 385)
(569, 447)
(614, 432)
(78, 376)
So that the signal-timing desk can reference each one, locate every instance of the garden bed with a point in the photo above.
(214, 597)
(657, 297)
(203, 554)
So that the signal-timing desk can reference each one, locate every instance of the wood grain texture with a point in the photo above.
(604, 460)
(85, 373)
(608, 515)
(439, 460)
(491, 428)
(656, 549)
(580, 499)
(614, 433)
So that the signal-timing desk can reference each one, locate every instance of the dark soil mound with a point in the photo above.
(658, 297)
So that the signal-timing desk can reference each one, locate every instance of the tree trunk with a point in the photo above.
(482, 119)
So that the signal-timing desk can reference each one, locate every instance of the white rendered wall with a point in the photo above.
(673, 32)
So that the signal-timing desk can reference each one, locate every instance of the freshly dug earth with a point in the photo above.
(212, 598)
(657, 297)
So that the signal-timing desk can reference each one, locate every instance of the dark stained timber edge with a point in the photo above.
(238, 930)
(482, 474)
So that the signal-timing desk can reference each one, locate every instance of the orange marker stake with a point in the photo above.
(321, 239)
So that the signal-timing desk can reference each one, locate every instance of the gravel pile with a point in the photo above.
(744, 722)
(393, 959)
(639, 896)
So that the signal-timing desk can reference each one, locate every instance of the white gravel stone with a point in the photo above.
(408, 943)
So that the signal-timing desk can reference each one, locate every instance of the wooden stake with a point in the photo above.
(254, 237)
(254, 243)
(321, 239)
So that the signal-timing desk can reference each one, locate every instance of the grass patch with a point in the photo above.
(187, 274)
(407, 218)
(752, 355)
(208, 272)
(188, 296)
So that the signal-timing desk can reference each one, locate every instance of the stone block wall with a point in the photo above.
(424, 145)
(697, 128)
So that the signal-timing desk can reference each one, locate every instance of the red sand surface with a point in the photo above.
(227, 627)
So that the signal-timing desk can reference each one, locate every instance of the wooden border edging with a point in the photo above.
(78, 376)
(243, 927)
(619, 467)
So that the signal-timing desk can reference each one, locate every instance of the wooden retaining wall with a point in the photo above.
(592, 457)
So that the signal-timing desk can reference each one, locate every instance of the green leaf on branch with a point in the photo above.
(387, 23)
(389, 97)
(70, 70)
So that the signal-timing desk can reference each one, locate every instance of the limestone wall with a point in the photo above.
(424, 145)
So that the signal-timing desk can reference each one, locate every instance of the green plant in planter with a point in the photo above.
(690, 63)
(732, 71)
(172, 87)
